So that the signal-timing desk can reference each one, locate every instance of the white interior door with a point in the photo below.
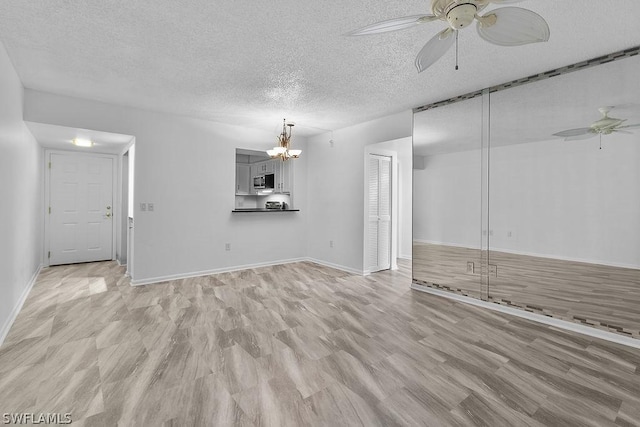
(379, 235)
(80, 208)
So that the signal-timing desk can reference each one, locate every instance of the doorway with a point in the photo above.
(379, 231)
(80, 213)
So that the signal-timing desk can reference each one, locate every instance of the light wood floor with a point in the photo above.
(298, 345)
(601, 296)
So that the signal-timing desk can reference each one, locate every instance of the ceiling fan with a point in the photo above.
(505, 26)
(606, 125)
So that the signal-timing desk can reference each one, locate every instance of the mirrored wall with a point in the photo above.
(528, 194)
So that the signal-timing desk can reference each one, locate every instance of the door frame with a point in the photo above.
(394, 206)
(117, 197)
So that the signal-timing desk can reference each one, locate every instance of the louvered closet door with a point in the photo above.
(379, 235)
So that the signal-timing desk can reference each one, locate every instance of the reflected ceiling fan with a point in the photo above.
(605, 126)
(505, 26)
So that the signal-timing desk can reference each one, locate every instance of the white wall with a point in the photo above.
(186, 167)
(336, 188)
(446, 200)
(20, 198)
(566, 200)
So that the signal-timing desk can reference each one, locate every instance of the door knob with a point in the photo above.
(108, 215)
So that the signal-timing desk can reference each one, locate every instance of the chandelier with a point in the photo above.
(284, 141)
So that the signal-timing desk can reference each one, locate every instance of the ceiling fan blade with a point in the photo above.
(626, 132)
(513, 26)
(394, 24)
(578, 137)
(434, 49)
(574, 132)
(637, 125)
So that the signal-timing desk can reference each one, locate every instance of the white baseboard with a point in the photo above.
(213, 271)
(121, 264)
(4, 331)
(167, 278)
(558, 323)
(338, 267)
(407, 257)
(453, 245)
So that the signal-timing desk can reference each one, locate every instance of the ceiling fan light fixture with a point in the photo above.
(461, 15)
(506, 26)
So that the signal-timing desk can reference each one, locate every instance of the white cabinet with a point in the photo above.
(268, 166)
(243, 179)
(283, 177)
(253, 171)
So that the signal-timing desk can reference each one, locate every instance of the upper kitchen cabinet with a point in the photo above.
(283, 176)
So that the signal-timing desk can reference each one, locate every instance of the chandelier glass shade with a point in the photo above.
(283, 150)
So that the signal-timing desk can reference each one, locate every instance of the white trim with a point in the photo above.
(338, 267)
(169, 277)
(213, 271)
(558, 323)
(121, 264)
(407, 257)
(452, 245)
(4, 331)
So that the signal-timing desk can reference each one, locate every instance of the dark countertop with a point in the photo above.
(264, 210)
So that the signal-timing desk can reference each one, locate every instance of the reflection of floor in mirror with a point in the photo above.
(600, 296)
(446, 266)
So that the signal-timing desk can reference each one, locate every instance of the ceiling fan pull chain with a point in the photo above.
(456, 50)
(601, 141)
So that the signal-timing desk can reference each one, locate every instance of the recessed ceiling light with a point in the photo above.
(82, 142)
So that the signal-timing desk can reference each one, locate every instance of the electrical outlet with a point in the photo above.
(493, 270)
(143, 207)
(470, 267)
(150, 207)
(330, 243)
(227, 246)
(509, 234)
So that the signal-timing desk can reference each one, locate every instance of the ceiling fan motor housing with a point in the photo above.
(461, 15)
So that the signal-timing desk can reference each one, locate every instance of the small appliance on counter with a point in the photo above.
(275, 205)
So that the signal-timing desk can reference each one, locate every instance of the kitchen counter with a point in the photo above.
(263, 210)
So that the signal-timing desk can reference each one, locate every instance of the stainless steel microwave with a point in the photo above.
(263, 181)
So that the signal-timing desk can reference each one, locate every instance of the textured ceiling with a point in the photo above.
(252, 63)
